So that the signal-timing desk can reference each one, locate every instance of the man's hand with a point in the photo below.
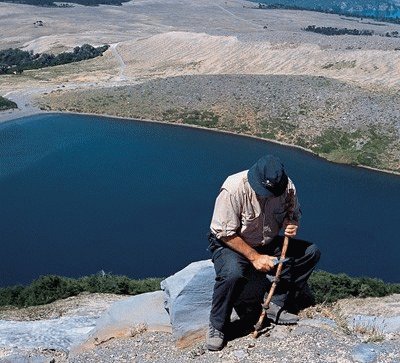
(291, 230)
(263, 263)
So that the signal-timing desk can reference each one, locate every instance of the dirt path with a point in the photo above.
(122, 66)
(237, 17)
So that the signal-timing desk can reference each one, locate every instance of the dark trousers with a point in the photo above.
(237, 282)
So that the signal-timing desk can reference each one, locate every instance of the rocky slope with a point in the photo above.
(337, 333)
(109, 328)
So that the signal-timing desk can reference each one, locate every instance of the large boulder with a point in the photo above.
(188, 296)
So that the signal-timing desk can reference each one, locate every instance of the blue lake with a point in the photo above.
(80, 194)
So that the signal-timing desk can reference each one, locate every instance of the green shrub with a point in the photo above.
(376, 145)
(191, 117)
(332, 139)
(50, 288)
(200, 118)
(6, 104)
(326, 287)
(10, 295)
(14, 60)
(47, 289)
(329, 287)
(118, 284)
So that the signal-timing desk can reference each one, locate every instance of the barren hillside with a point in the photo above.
(153, 39)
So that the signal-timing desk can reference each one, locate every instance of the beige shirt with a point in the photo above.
(238, 210)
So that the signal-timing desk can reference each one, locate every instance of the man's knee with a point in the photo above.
(313, 252)
(230, 276)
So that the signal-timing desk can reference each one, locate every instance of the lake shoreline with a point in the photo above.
(71, 169)
(27, 113)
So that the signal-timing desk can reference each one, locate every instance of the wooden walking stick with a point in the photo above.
(265, 305)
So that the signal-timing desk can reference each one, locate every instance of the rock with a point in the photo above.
(364, 353)
(16, 358)
(240, 354)
(378, 324)
(279, 332)
(318, 322)
(189, 294)
(57, 334)
(129, 317)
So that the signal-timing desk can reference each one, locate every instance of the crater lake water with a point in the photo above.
(80, 194)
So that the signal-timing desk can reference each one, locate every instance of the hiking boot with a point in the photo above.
(277, 315)
(215, 338)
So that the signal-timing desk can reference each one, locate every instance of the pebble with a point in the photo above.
(240, 354)
(364, 353)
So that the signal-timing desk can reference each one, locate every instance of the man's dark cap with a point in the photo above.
(267, 177)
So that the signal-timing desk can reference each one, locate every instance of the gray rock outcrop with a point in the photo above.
(188, 295)
(128, 317)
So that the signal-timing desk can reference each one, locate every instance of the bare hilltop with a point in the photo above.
(226, 65)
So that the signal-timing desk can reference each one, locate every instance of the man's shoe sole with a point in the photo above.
(279, 316)
(213, 348)
(282, 321)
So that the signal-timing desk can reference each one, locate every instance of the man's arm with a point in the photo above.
(260, 262)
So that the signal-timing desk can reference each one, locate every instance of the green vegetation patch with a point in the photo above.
(329, 287)
(272, 128)
(47, 289)
(377, 144)
(339, 65)
(192, 117)
(366, 148)
(333, 139)
(15, 61)
(6, 104)
(327, 30)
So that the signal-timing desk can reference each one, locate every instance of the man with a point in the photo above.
(250, 210)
